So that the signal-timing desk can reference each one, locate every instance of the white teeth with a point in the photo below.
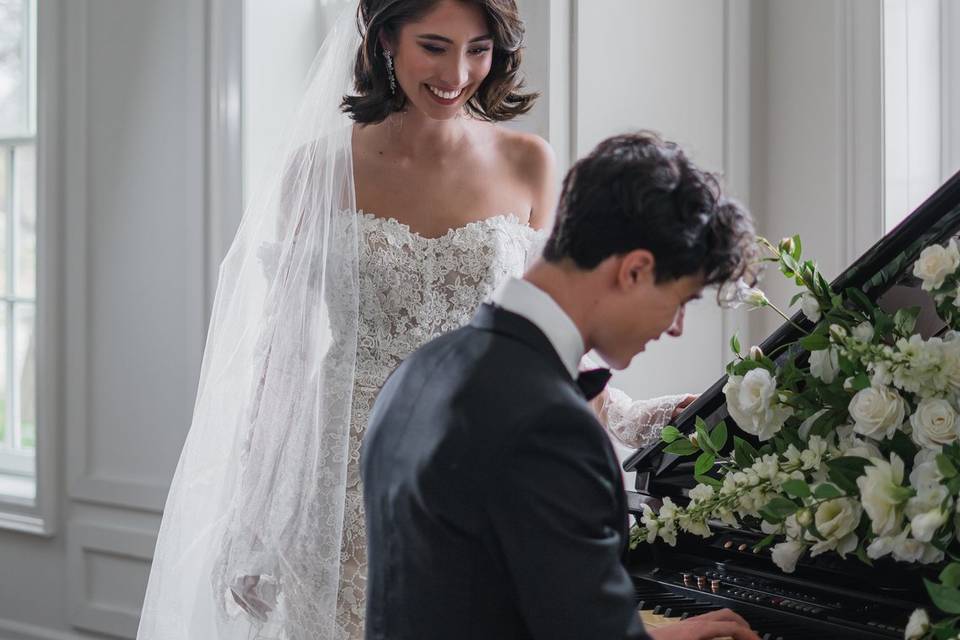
(446, 95)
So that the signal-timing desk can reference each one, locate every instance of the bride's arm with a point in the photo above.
(635, 423)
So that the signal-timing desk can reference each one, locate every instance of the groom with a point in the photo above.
(494, 502)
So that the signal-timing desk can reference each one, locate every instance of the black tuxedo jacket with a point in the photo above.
(494, 502)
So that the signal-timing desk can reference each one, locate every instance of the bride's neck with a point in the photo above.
(414, 135)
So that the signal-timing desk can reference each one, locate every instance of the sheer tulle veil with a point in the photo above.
(255, 510)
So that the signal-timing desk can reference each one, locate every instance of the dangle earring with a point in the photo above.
(390, 74)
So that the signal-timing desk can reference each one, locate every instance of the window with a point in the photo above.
(915, 79)
(18, 249)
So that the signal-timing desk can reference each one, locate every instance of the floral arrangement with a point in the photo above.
(858, 430)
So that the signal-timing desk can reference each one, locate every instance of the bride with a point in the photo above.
(398, 206)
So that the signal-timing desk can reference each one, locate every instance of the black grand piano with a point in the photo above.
(827, 597)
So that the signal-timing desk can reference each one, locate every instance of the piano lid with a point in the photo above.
(882, 273)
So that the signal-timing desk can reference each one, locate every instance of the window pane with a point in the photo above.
(14, 68)
(6, 202)
(25, 366)
(25, 203)
(6, 439)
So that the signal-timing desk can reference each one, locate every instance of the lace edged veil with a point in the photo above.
(249, 546)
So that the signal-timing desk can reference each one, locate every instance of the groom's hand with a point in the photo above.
(710, 626)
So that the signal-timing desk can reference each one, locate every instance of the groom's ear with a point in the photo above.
(637, 268)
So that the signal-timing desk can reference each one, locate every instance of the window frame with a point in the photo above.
(38, 516)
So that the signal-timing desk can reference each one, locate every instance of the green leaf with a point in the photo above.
(797, 247)
(903, 446)
(862, 301)
(788, 265)
(781, 507)
(719, 436)
(950, 576)
(946, 467)
(682, 447)
(861, 553)
(763, 544)
(844, 472)
(669, 433)
(704, 463)
(815, 342)
(797, 488)
(906, 319)
(735, 344)
(743, 452)
(713, 482)
(703, 436)
(946, 599)
(860, 382)
(741, 368)
(826, 491)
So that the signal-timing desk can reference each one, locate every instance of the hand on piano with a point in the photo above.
(716, 625)
(683, 404)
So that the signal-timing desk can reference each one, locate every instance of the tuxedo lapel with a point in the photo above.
(490, 317)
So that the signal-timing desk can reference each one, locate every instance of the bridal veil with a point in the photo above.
(249, 546)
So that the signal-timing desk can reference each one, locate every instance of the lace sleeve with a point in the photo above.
(636, 423)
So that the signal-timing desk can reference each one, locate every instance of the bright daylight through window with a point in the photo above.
(18, 244)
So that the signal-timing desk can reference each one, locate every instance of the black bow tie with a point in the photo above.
(592, 382)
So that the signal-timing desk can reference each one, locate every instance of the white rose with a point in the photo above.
(882, 494)
(836, 521)
(877, 412)
(824, 364)
(858, 447)
(751, 401)
(935, 424)
(810, 307)
(863, 332)
(917, 626)
(935, 264)
(786, 554)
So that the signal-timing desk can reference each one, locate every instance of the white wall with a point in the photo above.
(132, 201)
(632, 73)
(782, 97)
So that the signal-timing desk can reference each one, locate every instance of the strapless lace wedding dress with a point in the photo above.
(413, 289)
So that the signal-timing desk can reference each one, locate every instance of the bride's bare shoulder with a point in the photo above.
(531, 160)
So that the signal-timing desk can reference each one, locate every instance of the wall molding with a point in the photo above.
(40, 515)
(950, 88)
(859, 87)
(86, 540)
(13, 630)
(84, 483)
(224, 136)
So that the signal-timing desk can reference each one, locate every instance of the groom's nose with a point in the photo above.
(676, 329)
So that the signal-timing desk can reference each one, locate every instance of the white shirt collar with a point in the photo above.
(526, 299)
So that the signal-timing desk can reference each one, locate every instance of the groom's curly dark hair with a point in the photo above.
(638, 191)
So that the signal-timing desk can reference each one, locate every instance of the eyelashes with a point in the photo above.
(435, 50)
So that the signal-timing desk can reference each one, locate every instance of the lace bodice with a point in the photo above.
(413, 289)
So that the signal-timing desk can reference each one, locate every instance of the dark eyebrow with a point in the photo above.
(433, 36)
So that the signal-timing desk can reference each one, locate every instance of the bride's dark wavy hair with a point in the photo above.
(498, 98)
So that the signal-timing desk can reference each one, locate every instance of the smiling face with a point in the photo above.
(442, 59)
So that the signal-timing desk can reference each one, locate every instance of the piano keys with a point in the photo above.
(827, 597)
